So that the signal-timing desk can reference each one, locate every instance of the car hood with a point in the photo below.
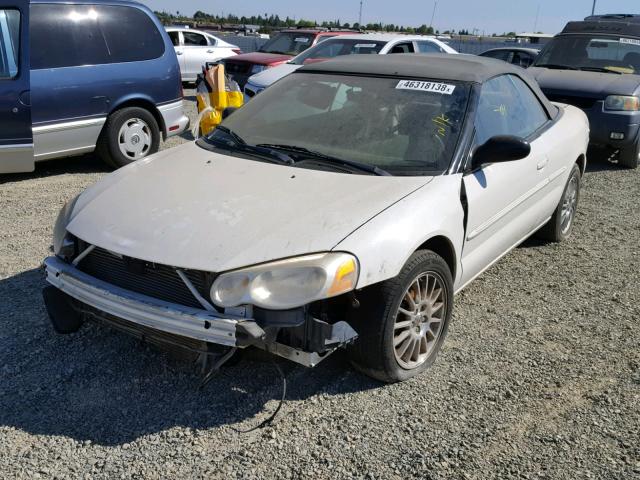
(272, 75)
(590, 84)
(195, 209)
(261, 58)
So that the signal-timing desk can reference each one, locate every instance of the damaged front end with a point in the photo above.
(168, 306)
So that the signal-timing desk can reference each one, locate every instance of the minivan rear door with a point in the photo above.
(16, 138)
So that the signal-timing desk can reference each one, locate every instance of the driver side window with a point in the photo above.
(507, 106)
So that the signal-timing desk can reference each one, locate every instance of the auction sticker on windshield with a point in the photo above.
(436, 87)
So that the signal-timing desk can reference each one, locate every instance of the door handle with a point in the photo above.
(178, 53)
(542, 164)
(210, 51)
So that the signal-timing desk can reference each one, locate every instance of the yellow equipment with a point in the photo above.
(214, 93)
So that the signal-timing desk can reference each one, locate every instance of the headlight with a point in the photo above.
(257, 69)
(60, 227)
(287, 283)
(622, 103)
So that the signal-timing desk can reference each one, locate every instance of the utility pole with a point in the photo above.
(593, 9)
(435, 5)
(535, 25)
(360, 15)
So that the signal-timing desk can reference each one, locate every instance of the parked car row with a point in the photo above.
(345, 45)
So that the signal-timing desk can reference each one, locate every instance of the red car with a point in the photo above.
(279, 49)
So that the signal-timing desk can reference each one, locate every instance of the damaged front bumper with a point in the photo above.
(198, 324)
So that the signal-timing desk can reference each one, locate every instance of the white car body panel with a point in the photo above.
(384, 244)
(262, 80)
(195, 209)
(193, 57)
(220, 213)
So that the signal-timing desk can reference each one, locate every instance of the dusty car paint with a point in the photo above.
(213, 215)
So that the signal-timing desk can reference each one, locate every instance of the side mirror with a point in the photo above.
(501, 148)
(228, 111)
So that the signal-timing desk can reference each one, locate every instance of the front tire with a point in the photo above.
(403, 321)
(560, 226)
(129, 135)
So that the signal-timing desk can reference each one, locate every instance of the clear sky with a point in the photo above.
(488, 15)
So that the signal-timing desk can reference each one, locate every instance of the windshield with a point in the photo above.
(335, 47)
(592, 52)
(403, 126)
(288, 43)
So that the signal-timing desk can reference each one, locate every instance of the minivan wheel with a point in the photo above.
(403, 321)
(129, 135)
(629, 157)
(559, 227)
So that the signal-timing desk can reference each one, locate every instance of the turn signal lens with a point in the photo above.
(345, 278)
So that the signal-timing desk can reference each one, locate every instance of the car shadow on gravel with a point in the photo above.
(89, 163)
(104, 387)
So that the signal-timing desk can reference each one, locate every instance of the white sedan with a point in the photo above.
(194, 48)
(361, 44)
(344, 206)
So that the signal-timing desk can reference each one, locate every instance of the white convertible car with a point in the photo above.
(344, 206)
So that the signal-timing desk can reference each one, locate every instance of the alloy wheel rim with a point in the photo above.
(134, 139)
(569, 204)
(419, 320)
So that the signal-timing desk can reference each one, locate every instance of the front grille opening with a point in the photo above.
(151, 279)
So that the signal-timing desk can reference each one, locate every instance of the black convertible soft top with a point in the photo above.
(434, 66)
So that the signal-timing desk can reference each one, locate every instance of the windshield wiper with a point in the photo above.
(311, 154)
(555, 66)
(238, 143)
(600, 69)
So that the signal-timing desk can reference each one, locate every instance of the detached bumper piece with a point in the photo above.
(213, 327)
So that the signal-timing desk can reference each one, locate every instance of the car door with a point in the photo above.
(176, 40)
(505, 199)
(402, 47)
(16, 138)
(197, 52)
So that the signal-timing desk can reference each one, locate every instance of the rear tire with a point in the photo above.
(560, 226)
(629, 157)
(402, 322)
(129, 134)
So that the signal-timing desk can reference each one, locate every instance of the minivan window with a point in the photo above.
(9, 43)
(75, 35)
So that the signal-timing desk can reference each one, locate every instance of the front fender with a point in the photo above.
(384, 244)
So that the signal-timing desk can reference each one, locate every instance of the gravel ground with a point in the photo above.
(539, 377)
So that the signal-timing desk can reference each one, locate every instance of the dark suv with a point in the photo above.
(595, 65)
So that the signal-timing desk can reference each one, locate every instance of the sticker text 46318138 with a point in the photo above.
(436, 87)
